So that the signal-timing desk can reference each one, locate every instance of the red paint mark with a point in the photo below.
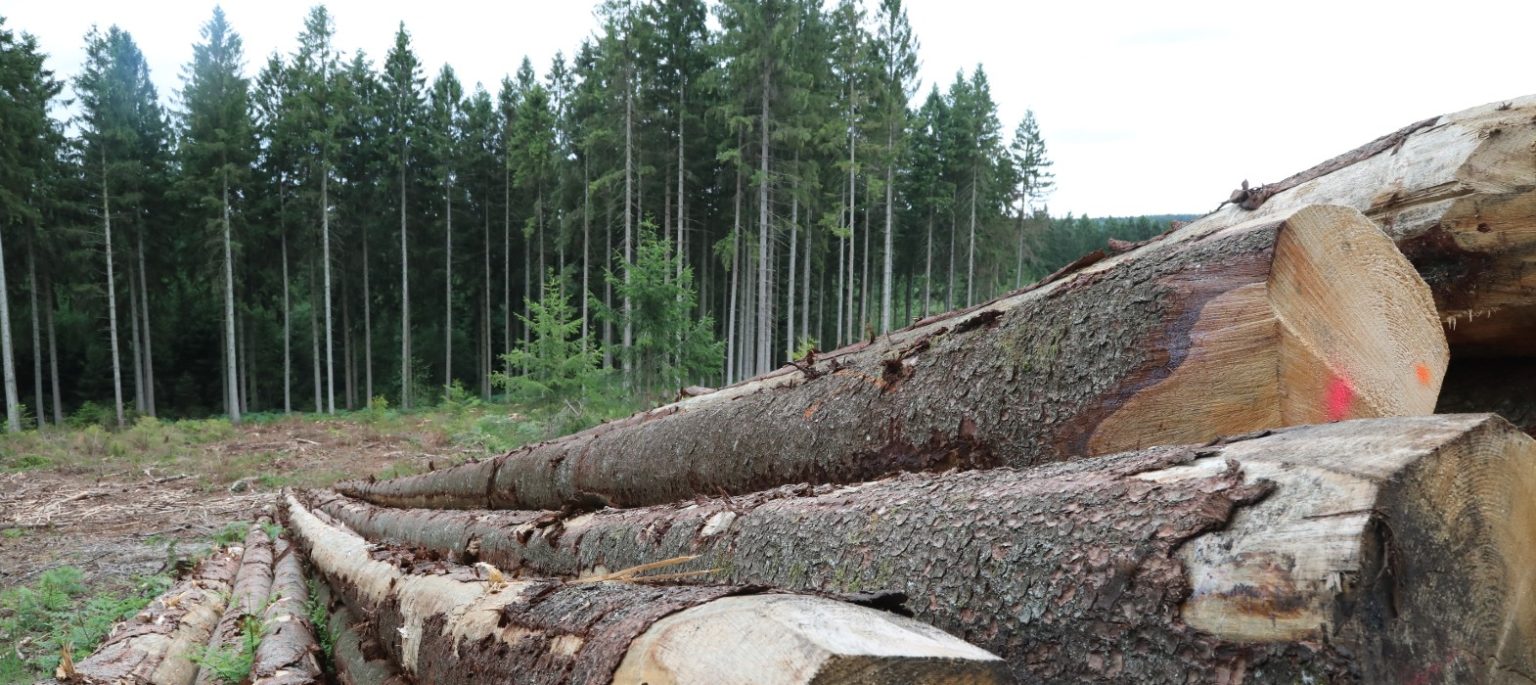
(1423, 373)
(1340, 397)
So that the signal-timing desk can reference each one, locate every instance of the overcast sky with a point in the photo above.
(1146, 107)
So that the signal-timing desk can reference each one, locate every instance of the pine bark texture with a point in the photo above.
(1387, 550)
(155, 646)
(288, 651)
(357, 658)
(445, 623)
(1307, 318)
(1456, 193)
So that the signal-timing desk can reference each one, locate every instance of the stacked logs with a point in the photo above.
(1211, 457)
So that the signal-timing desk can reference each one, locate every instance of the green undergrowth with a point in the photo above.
(37, 619)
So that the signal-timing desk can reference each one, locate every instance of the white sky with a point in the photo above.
(1146, 107)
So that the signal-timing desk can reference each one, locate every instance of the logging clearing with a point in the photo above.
(1211, 456)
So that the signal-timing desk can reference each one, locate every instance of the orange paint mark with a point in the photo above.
(1423, 372)
(811, 411)
(1340, 397)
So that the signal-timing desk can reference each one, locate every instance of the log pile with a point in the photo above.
(184, 635)
(1210, 457)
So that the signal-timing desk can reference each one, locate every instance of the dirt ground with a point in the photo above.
(116, 520)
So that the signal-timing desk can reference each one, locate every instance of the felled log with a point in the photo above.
(248, 596)
(445, 623)
(1456, 193)
(1309, 317)
(157, 644)
(288, 649)
(1383, 551)
(349, 653)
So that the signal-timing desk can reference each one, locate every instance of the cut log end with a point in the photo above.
(1360, 336)
(800, 639)
(1331, 323)
(1421, 553)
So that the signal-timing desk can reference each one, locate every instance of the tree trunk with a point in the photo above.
(629, 257)
(367, 327)
(117, 371)
(288, 649)
(887, 282)
(805, 283)
(53, 354)
(231, 400)
(325, 259)
(314, 340)
(349, 362)
(247, 597)
(506, 252)
(448, 294)
(443, 624)
(1455, 192)
(764, 319)
(7, 359)
(485, 316)
(794, 253)
(157, 644)
(133, 332)
(405, 301)
(38, 403)
(287, 333)
(732, 347)
(1334, 553)
(970, 264)
(869, 204)
(149, 345)
(244, 345)
(928, 270)
(1300, 319)
(586, 252)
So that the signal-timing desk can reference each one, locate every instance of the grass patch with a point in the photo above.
(57, 609)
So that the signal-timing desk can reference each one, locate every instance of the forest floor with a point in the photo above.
(95, 517)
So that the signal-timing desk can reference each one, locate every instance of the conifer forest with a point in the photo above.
(693, 195)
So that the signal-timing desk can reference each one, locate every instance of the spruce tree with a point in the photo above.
(217, 147)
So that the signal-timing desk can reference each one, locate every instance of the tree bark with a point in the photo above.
(444, 624)
(156, 645)
(286, 655)
(1306, 318)
(1456, 193)
(1335, 553)
(247, 596)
